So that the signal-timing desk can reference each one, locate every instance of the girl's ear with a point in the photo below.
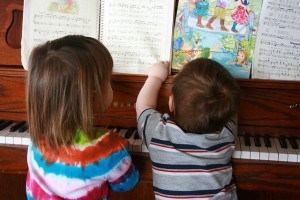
(171, 103)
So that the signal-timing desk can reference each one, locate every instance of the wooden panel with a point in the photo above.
(12, 94)
(271, 99)
(12, 186)
(269, 178)
(266, 175)
(10, 32)
(263, 195)
(13, 160)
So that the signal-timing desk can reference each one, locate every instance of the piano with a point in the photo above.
(269, 114)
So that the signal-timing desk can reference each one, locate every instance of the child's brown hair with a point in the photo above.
(67, 78)
(206, 96)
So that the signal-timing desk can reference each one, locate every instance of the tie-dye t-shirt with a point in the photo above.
(86, 170)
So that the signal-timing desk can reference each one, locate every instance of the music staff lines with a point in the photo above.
(283, 4)
(137, 5)
(47, 17)
(274, 44)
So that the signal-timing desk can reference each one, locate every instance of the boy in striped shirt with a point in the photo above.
(191, 154)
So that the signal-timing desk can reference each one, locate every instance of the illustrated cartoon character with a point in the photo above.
(201, 10)
(204, 52)
(240, 60)
(219, 12)
(250, 25)
(187, 51)
(240, 16)
(183, 15)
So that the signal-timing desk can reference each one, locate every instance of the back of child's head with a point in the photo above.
(67, 79)
(206, 96)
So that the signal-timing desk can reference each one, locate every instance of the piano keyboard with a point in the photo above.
(14, 133)
(283, 149)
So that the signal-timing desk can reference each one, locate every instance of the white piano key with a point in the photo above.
(273, 156)
(131, 140)
(263, 150)
(4, 133)
(282, 153)
(122, 132)
(137, 145)
(144, 148)
(237, 151)
(292, 154)
(14, 138)
(298, 150)
(9, 139)
(26, 139)
(245, 149)
(254, 151)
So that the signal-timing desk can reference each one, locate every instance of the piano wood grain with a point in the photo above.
(262, 176)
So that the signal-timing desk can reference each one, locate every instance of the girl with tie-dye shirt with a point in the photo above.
(69, 82)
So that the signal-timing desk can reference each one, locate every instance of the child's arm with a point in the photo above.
(147, 97)
(122, 175)
(128, 178)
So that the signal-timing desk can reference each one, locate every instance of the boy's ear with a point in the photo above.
(171, 103)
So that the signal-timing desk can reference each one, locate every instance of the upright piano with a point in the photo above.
(269, 109)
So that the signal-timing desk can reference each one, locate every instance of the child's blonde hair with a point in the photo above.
(67, 77)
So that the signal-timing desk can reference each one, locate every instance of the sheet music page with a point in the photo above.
(50, 19)
(137, 33)
(277, 49)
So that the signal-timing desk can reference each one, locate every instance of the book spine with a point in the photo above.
(101, 19)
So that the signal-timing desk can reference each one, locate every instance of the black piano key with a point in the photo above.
(257, 141)
(23, 128)
(267, 141)
(5, 124)
(136, 136)
(16, 126)
(128, 133)
(247, 140)
(110, 127)
(282, 142)
(293, 142)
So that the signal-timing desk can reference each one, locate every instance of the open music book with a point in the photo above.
(137, 33)
(258, 36)
(277, 49)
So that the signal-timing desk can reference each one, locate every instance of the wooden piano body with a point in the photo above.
(266, 107)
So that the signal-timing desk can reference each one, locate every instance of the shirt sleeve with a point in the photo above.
(234, 125)
(147, 123)
(123, 176)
